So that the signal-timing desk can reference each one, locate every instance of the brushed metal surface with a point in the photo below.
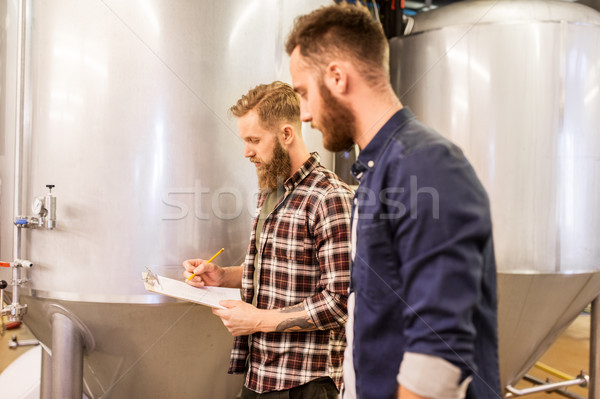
(521, 99)
(168, 350)
(127, 116)
(516, 85)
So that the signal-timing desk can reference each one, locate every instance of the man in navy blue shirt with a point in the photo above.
(422, 310)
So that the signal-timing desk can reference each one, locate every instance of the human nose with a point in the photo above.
(248, 152)
(305, 114)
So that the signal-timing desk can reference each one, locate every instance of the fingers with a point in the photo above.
(191, 264)
(197, 284)
(230, 303)
(218, 312)
(195, 281)
(194, 267)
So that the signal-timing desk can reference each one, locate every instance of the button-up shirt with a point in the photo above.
(303, 256)
(423, 273)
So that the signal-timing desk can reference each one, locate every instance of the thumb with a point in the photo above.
(229, 303)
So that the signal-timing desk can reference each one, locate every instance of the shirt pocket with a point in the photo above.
(292, 242)
(376, 273)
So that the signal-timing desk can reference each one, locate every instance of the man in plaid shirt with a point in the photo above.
(289, 328)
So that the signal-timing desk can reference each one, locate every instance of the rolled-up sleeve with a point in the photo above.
(328, 308)
(442, 244)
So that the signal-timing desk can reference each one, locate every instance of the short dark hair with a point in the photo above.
(345, 31)
(275, 103)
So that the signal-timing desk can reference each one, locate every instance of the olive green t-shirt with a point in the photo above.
(269, 205)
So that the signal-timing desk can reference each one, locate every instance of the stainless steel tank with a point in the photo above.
(516, 84)
(123, 107)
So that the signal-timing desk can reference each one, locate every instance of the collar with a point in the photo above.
(369, 156)
(307, 167)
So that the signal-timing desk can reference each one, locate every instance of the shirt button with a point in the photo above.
(371, 164)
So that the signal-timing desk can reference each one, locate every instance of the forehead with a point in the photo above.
(249, 126)
(299, 69)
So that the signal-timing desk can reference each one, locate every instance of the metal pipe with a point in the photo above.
(15, 343)
(67, 358)
(16, 279)
(594, 390)
(20, 116)
(562, 392)
(581, 380)
(46, 377)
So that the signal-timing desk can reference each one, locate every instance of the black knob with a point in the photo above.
(50, 187)
(3, 284)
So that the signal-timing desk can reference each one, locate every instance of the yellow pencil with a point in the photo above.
(208, 261)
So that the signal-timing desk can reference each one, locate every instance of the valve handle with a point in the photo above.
(4, 264)
(50, 186)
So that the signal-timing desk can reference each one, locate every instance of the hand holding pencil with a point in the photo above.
(200, 272)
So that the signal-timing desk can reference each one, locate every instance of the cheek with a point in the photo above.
(264, 154)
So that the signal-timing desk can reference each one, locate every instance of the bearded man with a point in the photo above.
(289, 328)
(422, 311)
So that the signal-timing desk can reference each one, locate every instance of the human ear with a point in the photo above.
(336, 77)
(287, 133)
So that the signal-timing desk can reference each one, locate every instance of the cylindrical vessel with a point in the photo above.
(126, 114)
(124, 111)
(515, 84)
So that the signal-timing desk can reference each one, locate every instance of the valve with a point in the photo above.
(44, 212)
(15, 311)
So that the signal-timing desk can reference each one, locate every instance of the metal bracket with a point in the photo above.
(151, 278)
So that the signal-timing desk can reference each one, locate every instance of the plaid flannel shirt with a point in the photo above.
(304, 258)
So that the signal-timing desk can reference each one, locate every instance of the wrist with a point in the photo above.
(267, 320)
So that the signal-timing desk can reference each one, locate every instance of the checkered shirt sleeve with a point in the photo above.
(304, 257)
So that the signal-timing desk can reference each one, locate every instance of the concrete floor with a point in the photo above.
(569, 354)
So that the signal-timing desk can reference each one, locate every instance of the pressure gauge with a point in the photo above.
(38, 206)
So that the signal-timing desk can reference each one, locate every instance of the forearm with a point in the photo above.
(232, 276)
(293, 318)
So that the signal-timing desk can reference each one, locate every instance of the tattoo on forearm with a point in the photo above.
(296, 324)
(292, 309)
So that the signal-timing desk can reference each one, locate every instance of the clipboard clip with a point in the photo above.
(151, 278)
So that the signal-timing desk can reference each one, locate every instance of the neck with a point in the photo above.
(298, 156)
(372, 111)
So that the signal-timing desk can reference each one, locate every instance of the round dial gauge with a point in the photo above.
(38, 206)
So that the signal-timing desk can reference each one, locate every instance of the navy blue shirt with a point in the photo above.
(424, 273)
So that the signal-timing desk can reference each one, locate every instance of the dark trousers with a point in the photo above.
(321, 388)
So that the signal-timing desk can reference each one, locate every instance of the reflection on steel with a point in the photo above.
(516, 85)
(123, 106)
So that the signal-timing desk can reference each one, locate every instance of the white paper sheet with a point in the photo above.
(209, 296)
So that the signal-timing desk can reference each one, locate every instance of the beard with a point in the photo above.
(273, 174)
(338, 123)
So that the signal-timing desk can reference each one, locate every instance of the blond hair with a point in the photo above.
(275, 103)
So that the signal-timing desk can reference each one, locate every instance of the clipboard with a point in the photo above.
(208, 296)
